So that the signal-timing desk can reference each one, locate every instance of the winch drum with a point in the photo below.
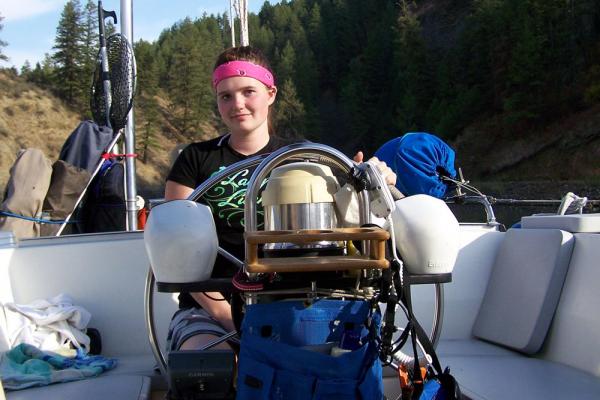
(299, 196)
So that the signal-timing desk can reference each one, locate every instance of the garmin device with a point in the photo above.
(201, 374)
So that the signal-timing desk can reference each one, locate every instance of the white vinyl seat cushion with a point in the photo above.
(575, 223)
(460, 347)
(524, 288)
(519, 377)
(471, 348)
(115, 387)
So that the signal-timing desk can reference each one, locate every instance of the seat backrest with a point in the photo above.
(7, 248)
(524, 288)
(573, 337)
(588, 223)
(103, 273)
(462, 297)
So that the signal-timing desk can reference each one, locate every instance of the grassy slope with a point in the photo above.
(32, 117)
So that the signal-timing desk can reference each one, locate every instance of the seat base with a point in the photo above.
(114, 387)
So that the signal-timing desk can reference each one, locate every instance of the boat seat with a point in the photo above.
(575, 223)
(461, 347)
(143, 365)
(114, 387)
(133, 378)
(520, 377)
(566, 366)
(524, 288)
(471, 348)
(485, 371)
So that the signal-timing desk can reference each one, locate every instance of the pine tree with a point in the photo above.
(314, 28)
(261, 35)
(42, 74)
(148, 125)
(410, 61)
(524, 83)
(70, 54)
(26, 69)
(90, 41)
(286, 66)
(3, 57)
(188, 86)
(289, 112)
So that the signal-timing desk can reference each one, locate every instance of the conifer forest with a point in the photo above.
(353, 74)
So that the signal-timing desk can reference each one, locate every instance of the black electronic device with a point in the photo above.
(198, 374)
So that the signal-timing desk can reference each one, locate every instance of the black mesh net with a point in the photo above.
(122, 74)
(97, 98)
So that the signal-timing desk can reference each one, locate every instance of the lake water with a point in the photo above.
(509, 214)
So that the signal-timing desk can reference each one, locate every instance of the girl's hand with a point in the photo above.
(388, 175)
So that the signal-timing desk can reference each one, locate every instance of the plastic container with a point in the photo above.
(426, 234)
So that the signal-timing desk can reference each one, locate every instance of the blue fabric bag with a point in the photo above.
(275, 361)
(418, 159)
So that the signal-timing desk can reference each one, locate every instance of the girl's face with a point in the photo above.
(244, 104)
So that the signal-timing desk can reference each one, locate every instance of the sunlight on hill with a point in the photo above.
(33, 117)
(30, 117)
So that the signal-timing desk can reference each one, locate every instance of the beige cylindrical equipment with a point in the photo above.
(299, 196)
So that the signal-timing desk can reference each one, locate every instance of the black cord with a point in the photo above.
(212, 298)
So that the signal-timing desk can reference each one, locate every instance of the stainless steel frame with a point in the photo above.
(301, 151)
(130, 183)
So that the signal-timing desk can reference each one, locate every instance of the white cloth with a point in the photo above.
(49, 325)
(346, 203)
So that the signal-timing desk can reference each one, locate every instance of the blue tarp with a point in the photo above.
(418, 159)
(85, 145)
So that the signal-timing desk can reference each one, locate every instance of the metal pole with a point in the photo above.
(244, 23)
(232, 22)
(104, 59)
(241, 9)
(130, 187)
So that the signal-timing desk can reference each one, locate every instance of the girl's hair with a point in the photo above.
(254, 55)
(243, 53)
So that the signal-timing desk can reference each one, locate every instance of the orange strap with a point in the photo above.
(405, 382)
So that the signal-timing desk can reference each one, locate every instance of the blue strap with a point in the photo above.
(32, 219)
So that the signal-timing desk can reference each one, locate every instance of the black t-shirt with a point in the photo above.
(198, 162)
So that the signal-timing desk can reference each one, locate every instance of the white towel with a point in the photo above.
(346, 203)
(49, 325)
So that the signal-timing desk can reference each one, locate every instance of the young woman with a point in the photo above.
(245, 89)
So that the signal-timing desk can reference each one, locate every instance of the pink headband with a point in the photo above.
(243, 68)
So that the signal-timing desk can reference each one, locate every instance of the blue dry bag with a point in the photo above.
(418, 159)
(278, 357)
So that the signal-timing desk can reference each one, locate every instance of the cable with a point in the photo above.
(394, 251)
(213, 298)
(464, 185)
(32, 219)
(398, 355)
